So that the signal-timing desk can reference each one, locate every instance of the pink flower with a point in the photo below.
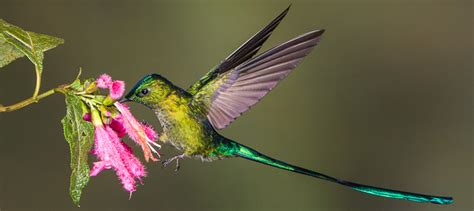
(143, 135)
(117, 125)
(109, 149)
(104, 81)
(87, 117)
(115, 154)
(117, 88)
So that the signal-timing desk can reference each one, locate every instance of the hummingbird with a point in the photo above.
(190, 118)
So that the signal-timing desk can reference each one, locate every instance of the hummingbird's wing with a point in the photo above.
(230, 94)
(242, 54)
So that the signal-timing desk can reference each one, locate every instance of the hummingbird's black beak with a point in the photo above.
(124, 100)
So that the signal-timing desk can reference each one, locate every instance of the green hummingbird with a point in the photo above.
(190, 118)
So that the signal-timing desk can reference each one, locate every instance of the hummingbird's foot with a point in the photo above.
(177, 165)
(170, 160)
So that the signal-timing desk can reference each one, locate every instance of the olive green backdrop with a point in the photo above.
(386, 99)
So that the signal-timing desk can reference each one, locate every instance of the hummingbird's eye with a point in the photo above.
(143, 92)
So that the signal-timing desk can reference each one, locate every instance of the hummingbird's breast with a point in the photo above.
(183, 126)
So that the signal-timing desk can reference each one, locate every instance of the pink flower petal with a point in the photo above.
(126, 154)
(117, 89)
(150, 132)
(136, 131)
(104, 81)
(133, 164)
(98, 167)
(113, 153)
(117, 125)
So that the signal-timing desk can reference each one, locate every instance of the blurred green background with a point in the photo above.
(386, 99)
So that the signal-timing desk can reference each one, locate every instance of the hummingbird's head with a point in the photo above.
(149, 91)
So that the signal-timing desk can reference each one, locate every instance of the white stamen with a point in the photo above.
(153, 149)
(154, 143)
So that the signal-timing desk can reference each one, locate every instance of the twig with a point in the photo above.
(30, 100)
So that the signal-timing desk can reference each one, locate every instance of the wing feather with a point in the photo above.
(245, 52)
(247, 83)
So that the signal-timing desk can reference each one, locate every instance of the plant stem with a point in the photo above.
(38, 81)
(30, 100)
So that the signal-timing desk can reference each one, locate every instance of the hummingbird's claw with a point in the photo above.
(165, 163)
(170, 160)
(177, 166)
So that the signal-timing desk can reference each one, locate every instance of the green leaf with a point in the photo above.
(16, 42)
(80, 136)
(76, 85)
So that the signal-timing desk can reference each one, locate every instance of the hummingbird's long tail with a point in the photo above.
(232, 148)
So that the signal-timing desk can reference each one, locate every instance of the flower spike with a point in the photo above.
(113, 153)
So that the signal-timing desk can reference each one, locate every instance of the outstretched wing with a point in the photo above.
(229, 95)
(242, 54)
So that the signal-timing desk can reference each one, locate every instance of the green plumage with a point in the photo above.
(251, 154)
(191, 117)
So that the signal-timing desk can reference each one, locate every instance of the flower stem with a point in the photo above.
(96, 118)
(30, 100)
